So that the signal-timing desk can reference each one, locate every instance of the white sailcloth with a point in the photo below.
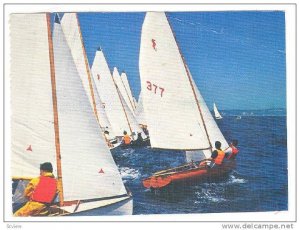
(216, 111)
(134, 102)
(169, 103)
(132, 120)
(122, 89)
(109, 95)
(213, 130)
(71, 29)
(125, 82)
(139, 111)
(81, 148)
(33, 139)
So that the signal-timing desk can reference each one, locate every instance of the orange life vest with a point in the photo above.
(45, 190)
(127, 139)
(234, 151)
(219, 159)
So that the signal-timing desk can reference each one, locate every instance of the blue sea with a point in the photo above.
(258, 183)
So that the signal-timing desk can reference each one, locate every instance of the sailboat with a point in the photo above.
(176, 113)
(118, 112)
(216, 112)
(72, 32)
(53, 121)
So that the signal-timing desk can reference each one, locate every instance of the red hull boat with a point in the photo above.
(186, 173)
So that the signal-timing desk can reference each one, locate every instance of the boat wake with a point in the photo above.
(211, 194)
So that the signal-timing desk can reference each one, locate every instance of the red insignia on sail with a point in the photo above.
(154, 44)
(101, 171)
(29, 148)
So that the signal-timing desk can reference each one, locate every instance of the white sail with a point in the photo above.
(119, 82)
(216, 112)
(213, 130)
(109, 95)
(88, 169)
(125, 82)
(71, 29)
(170, 106)
(32, 139)
(139, 112)
(132, 120)
(79, 134)
(134, 102)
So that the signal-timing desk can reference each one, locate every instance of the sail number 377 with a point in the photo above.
(155, 88)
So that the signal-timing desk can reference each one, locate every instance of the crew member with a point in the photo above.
(126, 138)
(232, 150)
(217, 155)
(40, 192)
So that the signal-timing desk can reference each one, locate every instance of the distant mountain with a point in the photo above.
(255, 112)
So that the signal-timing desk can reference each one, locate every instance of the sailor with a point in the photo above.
(217, 156)
(40, 192)
(232, 150)
(139, 140)
(126, 139)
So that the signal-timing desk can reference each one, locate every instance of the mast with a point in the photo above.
(55, 111)
(90, 80)
(87, 70)
(191, 84)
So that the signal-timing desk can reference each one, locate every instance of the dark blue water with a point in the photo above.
(259, 182)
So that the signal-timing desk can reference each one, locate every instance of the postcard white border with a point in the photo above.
(290, 13)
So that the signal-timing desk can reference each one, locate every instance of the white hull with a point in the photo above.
(112, 207)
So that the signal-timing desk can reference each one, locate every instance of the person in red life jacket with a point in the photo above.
(126, 139)
(232, 151)
(217, 156)
(40, 192)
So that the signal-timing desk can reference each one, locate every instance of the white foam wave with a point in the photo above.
(234, 180)
(129, 173)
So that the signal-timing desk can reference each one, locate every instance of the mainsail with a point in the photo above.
(72, 31)
(121, 86)
(216, 111)
(139, 112)
(172, 114)
(125, 82)
(52, 119)
(176, 113)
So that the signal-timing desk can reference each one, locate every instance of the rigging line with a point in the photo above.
(55, 112)
(191, 84)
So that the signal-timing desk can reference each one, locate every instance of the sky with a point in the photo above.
(237, 58)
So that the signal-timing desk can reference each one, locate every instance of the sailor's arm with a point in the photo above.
(31, 187)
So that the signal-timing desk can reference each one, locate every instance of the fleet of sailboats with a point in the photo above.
(72, 115)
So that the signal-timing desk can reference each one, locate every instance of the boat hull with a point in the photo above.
(192, 174)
